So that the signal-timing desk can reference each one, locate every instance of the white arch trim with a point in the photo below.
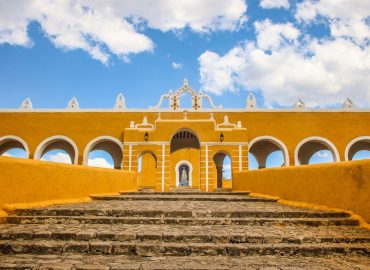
(41, 147)
(19, 139)
(181, 162)
(276, 141)
(323, 140)
(355, 140)
(94, 142)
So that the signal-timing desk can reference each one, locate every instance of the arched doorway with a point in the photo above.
(358, 148)
(222, 162)
(315, 150)
(147, 170)
(185, 159)
(267, 152)
(13, 146)
(57, 149)
(109, 150)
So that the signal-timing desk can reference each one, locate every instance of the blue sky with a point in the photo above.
(282, 50)
(217, 52)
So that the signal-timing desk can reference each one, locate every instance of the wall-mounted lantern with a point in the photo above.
(146, 136)
(222, 137)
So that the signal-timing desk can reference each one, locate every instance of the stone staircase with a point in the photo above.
(182, 230)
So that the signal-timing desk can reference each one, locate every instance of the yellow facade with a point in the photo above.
(130, 135)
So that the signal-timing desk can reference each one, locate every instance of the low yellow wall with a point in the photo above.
(31, 182)
(344, 185)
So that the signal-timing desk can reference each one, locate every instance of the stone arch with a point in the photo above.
(218, 159)
(309, 146)
(184, 162)
(150, 153)
(184, 138)
(10, 142)
(111, 145)
(261, 147)
(58, 142)
(357, 144)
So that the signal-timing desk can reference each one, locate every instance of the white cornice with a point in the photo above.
(224, 110)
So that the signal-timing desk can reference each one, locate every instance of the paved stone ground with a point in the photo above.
(99, 262)
(182, 231)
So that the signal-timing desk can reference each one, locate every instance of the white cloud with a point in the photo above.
(267, 4)
(7, 154)
(100, 162)
(58, 157)
(322, 154)
(106, 28)
(272, 36)
(176, 65)
(285, 65)
(323, 73)
(346, 18)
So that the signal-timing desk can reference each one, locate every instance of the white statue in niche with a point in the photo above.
(184, 176)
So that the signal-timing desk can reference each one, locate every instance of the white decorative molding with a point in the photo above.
(144, 125)
(348, 104)
(227, 125)
(251, 102)
(73, 104)
(322, 140)
(120, 103)
(26, 104)
(275, 141)
(299, 105)
(196, 98)
(7, 138)
(45, 143)
(355, 140)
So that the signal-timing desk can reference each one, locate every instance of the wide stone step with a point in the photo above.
(99, 262)
(196, 234)
(177, 213)
(180, 221)
(220, 198)
(177, 249)
(186, 193)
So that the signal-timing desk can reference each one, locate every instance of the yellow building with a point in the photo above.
(173, 147)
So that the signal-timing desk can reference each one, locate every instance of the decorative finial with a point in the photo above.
(186, 82)
(73, 104)
(251, 102)
(185, 115)
(145, 120)
(120, 103)
(348, 104)
(26, 104)
(299, 104)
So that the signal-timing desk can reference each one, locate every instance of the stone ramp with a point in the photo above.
(197, 230)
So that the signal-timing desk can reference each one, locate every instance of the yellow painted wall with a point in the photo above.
(227, 183)
(147, 175)
(289, 127)
(344, 185)
(31, 181)
(189, 154)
